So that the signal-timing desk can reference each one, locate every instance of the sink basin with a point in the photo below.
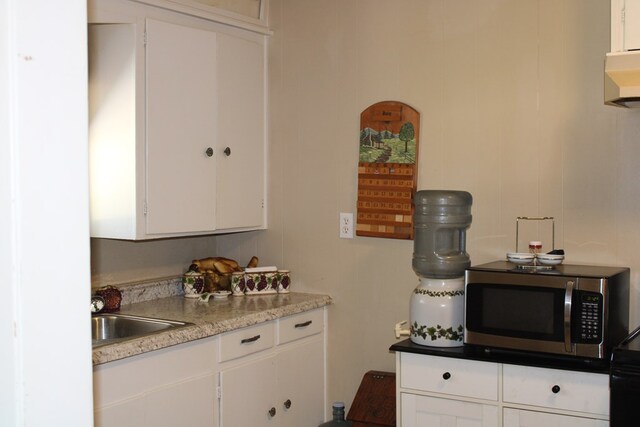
(109, 328)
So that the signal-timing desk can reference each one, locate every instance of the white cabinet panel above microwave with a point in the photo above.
(625, 25)
(631, 25)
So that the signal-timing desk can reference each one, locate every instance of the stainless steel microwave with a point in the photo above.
(572, 310)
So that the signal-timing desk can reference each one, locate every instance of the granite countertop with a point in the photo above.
(208, 318)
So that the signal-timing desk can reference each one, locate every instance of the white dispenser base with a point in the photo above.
(437, 312)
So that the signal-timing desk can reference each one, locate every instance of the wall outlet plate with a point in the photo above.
(346, 225)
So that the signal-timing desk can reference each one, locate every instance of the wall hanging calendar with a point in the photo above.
(387, 170)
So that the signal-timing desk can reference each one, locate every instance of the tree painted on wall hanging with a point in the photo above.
(406, 134)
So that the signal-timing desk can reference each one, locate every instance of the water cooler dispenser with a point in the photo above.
(441, 219)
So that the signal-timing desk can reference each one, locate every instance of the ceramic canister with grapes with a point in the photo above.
(260, 283)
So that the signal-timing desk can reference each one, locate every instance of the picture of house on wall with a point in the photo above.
(387, 170)
(388, 133)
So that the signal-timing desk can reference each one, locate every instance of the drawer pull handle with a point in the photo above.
(287, 403)
(555, 389)
(303, 324)
(446, 376)
(272, 412)
(248, 340)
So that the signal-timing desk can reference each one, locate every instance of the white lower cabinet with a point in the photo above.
(418, 411)
(187, 403)
(270, 374)
(282, 386)
(169, 387)
(247, 393)
(281, 390)
(442, 391)
(301, 385)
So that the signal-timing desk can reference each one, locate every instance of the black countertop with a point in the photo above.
(523, 358)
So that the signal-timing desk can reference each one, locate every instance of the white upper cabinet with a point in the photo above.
(181, 127)
(241, 130)
(625, 25)
(177, 124)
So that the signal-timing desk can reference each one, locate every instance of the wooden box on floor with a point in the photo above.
(375, 401)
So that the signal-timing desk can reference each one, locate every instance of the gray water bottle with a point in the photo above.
(338, 416)
(440, 220)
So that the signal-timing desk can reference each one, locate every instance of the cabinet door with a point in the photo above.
(128, 413)
(241, 132)
(248, 394)
(301, 385)
(171, 386)
(520, 418)
(419, 411)
(181, 127)
(189, 403)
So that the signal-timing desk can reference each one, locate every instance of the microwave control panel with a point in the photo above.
(587, 318)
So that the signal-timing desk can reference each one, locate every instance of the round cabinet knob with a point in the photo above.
(227, 151)
(272, 412)
(446, 375)
(209, 152)
(555, 389)
(287, 403)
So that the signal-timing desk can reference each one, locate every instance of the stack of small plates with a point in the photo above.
(550, 259)
(525, 258)
(520, 258)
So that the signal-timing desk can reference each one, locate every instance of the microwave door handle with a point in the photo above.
(568, 295)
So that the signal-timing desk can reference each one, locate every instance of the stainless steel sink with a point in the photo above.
(108, 328)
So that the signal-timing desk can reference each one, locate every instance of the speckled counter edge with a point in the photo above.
(148, 290)
(207, 319)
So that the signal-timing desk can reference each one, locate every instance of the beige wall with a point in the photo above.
(510, 96)
(119, 261)
(510, 93)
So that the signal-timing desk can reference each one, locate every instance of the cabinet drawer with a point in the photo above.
(422, 411)
(246, 341)
(301, 325)
(451, 376)
(522, 418)
(552, 388)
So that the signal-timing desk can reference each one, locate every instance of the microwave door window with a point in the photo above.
(512, 311)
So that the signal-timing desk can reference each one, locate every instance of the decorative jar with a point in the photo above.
(238, 283)
(260, 283)
(192, 284)
(283, 278)
(437, 312)
(112, 298)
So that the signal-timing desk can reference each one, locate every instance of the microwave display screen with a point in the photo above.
(516, 311)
